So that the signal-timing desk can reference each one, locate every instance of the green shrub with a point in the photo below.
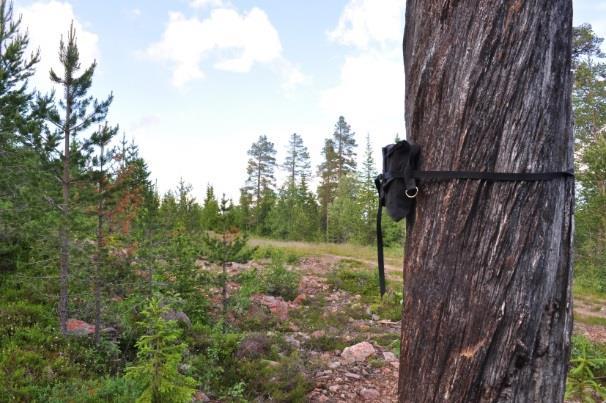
(276, 255)
(325, 343)
(389, 307)
(215, 363)
(587, 368)
(23, 314)
(280, 282)
(277, 381)
(111, 390)
(354, 280)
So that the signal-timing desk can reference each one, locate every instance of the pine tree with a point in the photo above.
(297, 166)
(344, 145)
(328, 180)
(100, 139)
(261, 180)
(297, 163)
(80, 111)
(589, 107)
(25, 145)
(226, 246)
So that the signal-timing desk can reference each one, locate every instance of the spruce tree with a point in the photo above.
(210, 210)
(159, 353)
(80, 111)
(368, 195)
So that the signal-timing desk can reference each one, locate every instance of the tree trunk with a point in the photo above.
(99, 253)
(487, 310)
(64, 229)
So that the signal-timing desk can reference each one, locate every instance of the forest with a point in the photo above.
(111, 291)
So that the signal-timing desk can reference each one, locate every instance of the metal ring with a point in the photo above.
(413, 195)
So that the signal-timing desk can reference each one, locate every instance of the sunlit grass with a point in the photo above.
(393, 255)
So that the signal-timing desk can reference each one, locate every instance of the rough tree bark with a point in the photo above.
(487, 311)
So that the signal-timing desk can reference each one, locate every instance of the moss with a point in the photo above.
(375, 362)
(354, 280)
(325, 343)
(281, 381)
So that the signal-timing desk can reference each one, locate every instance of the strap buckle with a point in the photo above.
(412, 193)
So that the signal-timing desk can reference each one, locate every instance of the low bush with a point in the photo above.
(587, 371)
(281, 282)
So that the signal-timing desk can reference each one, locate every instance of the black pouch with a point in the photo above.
(397, 185)
(397, 188)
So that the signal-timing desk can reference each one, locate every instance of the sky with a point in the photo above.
(196, 82)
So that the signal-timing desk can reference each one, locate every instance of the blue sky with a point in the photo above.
(197, 81)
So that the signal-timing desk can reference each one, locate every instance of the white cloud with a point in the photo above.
(235, 41)
(46, 22)
(370, 90)
(365, 23)
(206, 3)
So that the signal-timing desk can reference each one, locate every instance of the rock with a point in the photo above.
(317, 334)
(270, 363)
(352, 375)
(369, 394)
(77, 327)
(358, 352)
(200, 397)
(362, 326)
(334, 388)
(300, 299)
(389, 356)
(277, 306)
(111, 331)
(334, 365)
(254, 346)
(395, 364)
(178, 316)
(292, 341)
(375, 317)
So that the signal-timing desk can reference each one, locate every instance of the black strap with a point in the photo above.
(434, 176)
(438, 176)
(378, 185)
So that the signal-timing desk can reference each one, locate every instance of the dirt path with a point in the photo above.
(590, 318)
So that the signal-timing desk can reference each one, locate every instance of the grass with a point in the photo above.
(590, 320)
(367, 253)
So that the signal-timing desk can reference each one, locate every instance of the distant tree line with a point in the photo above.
(343, 209)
